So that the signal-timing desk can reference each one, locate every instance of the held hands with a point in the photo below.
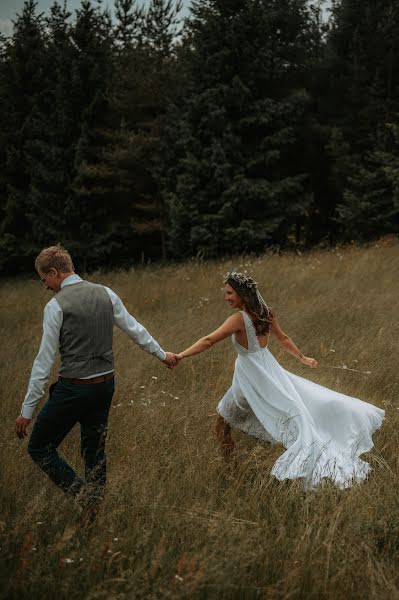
(20, 427)
(310, 362)
(172, 360)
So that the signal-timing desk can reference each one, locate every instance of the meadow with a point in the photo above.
(177, 522)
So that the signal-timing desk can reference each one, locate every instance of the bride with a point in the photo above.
(324, 432)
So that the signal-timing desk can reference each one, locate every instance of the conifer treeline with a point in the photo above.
(252, 123)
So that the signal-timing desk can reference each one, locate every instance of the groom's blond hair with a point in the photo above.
(54, 256)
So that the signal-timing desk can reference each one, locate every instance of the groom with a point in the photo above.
(79, 321)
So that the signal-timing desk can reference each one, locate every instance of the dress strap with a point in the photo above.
(253, 342)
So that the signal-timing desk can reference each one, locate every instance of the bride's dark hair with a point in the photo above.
(246, 288)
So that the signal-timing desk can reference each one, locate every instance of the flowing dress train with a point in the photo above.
(324, 432)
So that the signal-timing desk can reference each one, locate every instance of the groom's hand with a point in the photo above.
(20, 427)
(178, 358)
(170, 360)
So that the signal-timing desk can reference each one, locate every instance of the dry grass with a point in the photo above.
(176, 522)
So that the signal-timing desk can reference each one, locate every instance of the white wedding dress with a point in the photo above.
(324, 432)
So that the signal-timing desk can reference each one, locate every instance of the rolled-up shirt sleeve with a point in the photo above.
(44, 361)
(137, 332)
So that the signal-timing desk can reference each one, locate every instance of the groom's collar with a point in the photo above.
(71, 279)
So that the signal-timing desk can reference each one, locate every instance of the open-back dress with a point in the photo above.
(324, 432)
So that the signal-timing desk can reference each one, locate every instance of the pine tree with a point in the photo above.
(364, 70)
(362, 60)
(25, 86)
(145, 80)
(52, 150)
(4, 107)
(232, 183)
(89, 209)
(129, 25)
(370, 206)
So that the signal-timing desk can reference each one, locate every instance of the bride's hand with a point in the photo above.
(310, 362)
(177, 358)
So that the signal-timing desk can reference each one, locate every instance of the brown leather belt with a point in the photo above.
(99, 379)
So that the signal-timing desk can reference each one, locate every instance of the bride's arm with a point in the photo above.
(232, 325)
(288, 345)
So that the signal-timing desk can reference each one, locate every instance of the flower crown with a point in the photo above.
(241, 279)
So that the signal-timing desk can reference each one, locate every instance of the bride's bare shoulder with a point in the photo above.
(235, 320)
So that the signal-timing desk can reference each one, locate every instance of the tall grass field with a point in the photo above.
(178, 522)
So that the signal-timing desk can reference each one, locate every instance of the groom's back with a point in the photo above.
(86, 331)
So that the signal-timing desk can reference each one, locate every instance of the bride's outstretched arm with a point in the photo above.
(232, 325)
(288, 345)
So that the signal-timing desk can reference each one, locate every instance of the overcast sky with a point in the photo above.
(9, 8)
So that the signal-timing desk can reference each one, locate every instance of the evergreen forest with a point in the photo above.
(245, 126)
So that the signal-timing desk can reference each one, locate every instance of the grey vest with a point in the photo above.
(86, 331)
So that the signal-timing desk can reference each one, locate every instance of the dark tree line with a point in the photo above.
(252, 123)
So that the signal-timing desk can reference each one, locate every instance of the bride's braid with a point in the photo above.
(255, 305)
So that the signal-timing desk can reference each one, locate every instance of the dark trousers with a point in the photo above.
(67, 405)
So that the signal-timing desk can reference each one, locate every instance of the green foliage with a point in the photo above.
(253, 123)
(24, 92)
(370, 204)
(232, 183)
(146, 77)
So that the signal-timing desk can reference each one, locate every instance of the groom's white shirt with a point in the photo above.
(52, 322)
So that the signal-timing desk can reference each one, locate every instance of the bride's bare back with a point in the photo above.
(242, 338)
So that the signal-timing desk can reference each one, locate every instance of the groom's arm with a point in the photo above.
(136, 331)
(42, 366)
